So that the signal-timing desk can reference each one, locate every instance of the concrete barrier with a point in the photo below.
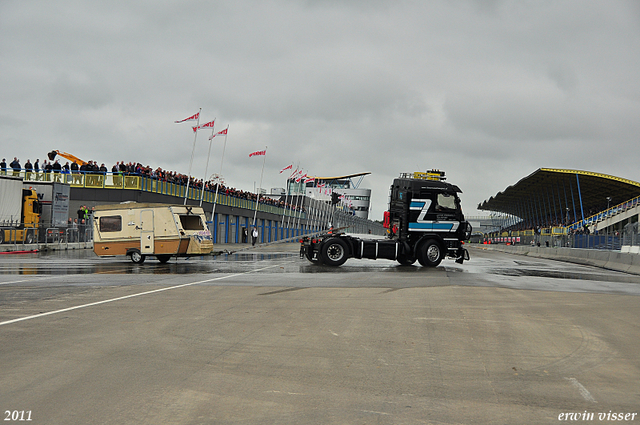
(618, 261)
(611, 260)
(635, 264)
(598, 258)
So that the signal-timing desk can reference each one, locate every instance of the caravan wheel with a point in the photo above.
(137, 257)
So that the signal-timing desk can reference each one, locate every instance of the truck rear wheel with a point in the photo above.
(430, 253)
(334, 252)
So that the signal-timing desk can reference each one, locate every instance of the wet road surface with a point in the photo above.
(262, 336)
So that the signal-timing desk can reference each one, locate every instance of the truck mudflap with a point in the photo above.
(307, 250)
(463, 255)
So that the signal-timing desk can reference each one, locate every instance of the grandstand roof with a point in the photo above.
(344, 182)
(348, 176)
(544, 196)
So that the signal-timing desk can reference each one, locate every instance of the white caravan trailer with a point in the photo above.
(140, 230)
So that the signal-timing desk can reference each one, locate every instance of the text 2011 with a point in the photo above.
(17, 415)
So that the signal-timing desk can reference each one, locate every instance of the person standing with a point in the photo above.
(75, 172)
(48, 168)
(3, 166)
(66, 173)
(28, 169)
(36, 169)
(82, 215)
(84, 169)
(103, 170)
(70, 235)
(57, 168)
(254, 236)
(15, 165)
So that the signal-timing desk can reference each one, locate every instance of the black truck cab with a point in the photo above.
(424, 223)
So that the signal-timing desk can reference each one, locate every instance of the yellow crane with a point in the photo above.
(73, 158)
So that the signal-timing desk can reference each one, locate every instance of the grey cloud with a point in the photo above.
(467, 86)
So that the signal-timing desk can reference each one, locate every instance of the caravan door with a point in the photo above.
(146, 234)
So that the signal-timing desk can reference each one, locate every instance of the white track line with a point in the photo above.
(35, 279)
(49, 313)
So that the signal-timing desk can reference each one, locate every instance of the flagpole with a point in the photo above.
(192, 153)
(299, 206)
(206, 168)
(255, 213)
(284, 210)
(215, 199)
(304, 193)
(291, 177)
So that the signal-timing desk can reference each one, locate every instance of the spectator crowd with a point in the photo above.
(121, 168)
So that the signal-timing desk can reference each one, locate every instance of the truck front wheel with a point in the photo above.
(334, 252)
(430, 253)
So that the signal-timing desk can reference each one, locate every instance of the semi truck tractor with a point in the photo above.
(19, 212)
(424, 223)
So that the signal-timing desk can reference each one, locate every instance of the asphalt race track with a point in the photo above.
(264, 337)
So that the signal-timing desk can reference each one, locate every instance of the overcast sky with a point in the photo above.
(487, 90)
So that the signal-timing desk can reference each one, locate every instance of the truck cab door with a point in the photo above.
(147, 232)
(446, 207)
(421, 213)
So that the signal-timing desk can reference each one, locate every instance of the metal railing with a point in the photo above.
(556, 237)
(317, 217)
(65, 234)
(603, 215)
(631, 235)
(111, 180)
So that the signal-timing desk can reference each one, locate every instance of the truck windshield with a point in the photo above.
(446, 201)
(191, 222)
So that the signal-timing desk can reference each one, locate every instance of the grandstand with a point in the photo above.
(561, 202)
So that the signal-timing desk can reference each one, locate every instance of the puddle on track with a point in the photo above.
(554, 274)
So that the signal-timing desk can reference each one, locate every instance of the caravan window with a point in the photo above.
(111, 223)
(191, 222)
